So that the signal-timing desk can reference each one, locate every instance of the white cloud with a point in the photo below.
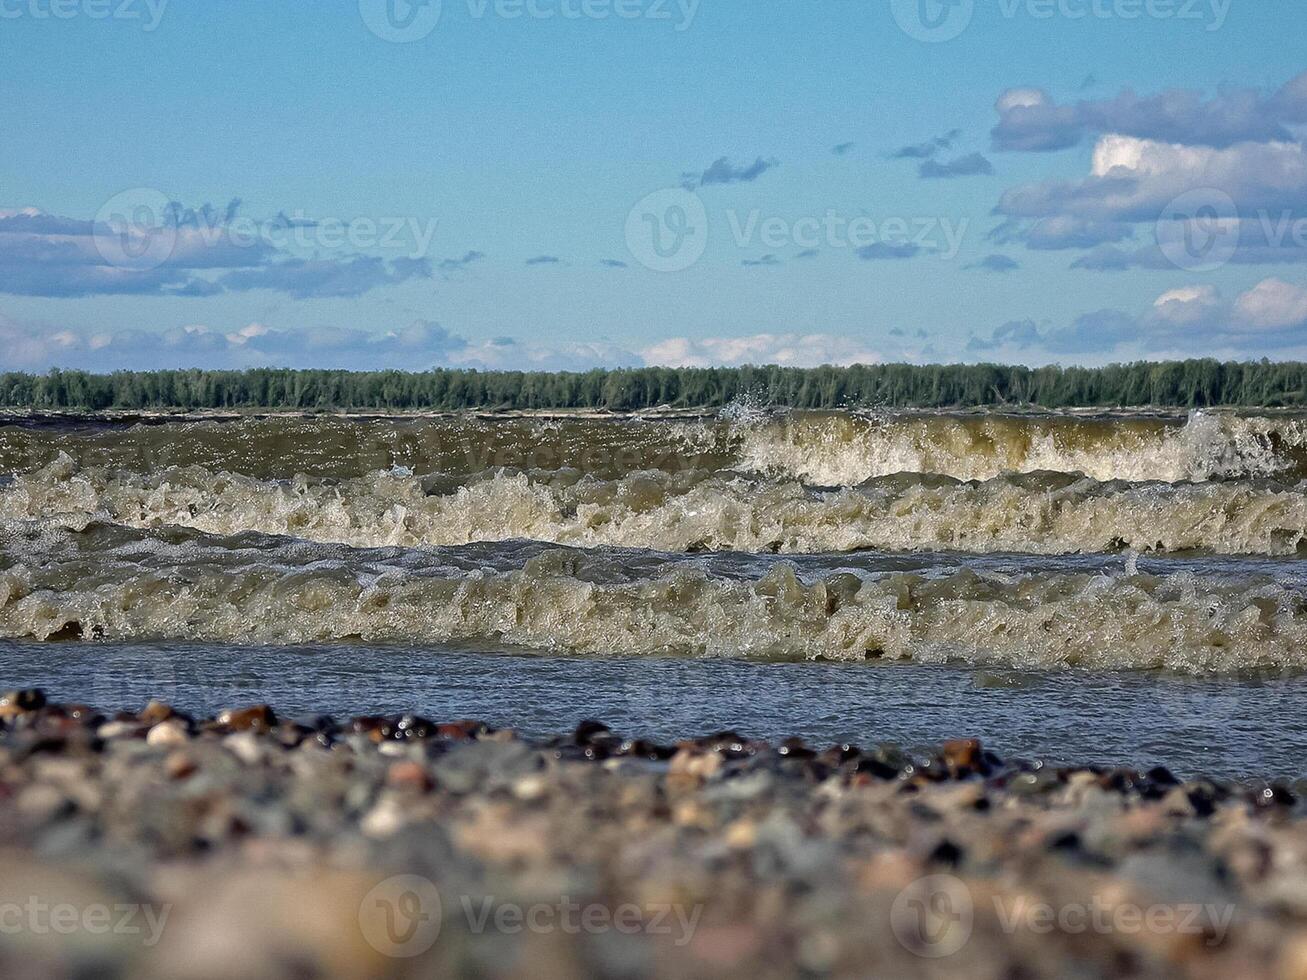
(1031, 121)
(1187, 305)
(1189, 321)
(1169, 166)
(1021, 98)
(39, 346)
(1273, 305)
(790, 349)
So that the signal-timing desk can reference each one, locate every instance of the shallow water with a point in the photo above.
(1233, 728)
(1079, 587)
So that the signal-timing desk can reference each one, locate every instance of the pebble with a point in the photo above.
(410, 776)
(168, 733)
(267, 840)
(259, 718)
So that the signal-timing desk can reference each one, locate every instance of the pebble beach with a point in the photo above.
(244, 845)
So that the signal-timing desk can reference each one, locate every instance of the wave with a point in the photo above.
(1042, 513)
(818, 448)
(843, 449)
(112, 583)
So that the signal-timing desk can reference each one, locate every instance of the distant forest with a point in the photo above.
(1182, 384)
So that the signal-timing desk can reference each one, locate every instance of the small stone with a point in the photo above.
(587, 731)
(460, 730)
(15, 703)
(411, 776)
(168, 733)
(245, 746)
(155, 712)
(693, 765)
(413, 726)
(120, 729)
(385, 819)
(290, 734)
(180, 765)
(741, 835)
(1176, 803)
(32, 699)
(530, 788)
(962, 755)
(257, 718)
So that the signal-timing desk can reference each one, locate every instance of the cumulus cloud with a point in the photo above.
(50, 255)
(1135, 179)
(544, 260)
(971, 165)
(722, 171)
(839, 149)
(181, 251)
(40, 346)
(1255, 192)
(37, 347)
(1272, 305)
(1268, 239)
(790, 349)
(1030, 120)
(1166, 170)
(1269, 318)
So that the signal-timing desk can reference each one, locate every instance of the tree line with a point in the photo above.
(1178, 384)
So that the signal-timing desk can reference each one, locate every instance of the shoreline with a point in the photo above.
(716, 856)
(10, 415)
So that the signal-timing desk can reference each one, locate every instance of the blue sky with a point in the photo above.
(485, 191)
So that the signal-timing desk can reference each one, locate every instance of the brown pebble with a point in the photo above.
(257, 718)
(410, 775)
(15, 703)
(459, 730)
(962, 755)
(155, 712)
(179, 765)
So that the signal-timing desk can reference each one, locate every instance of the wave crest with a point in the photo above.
(843, 450)
(685, 512)
(113, 584)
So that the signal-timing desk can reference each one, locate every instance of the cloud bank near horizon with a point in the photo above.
(421, 345)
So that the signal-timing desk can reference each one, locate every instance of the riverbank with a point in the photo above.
(156, 844)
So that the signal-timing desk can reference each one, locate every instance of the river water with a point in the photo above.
(1076, 587)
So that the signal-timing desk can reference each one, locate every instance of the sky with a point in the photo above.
(561, 184)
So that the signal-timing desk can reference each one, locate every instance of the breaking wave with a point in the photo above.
(112, 583)
(1043, 513)
(819, 448)
(843, 450)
